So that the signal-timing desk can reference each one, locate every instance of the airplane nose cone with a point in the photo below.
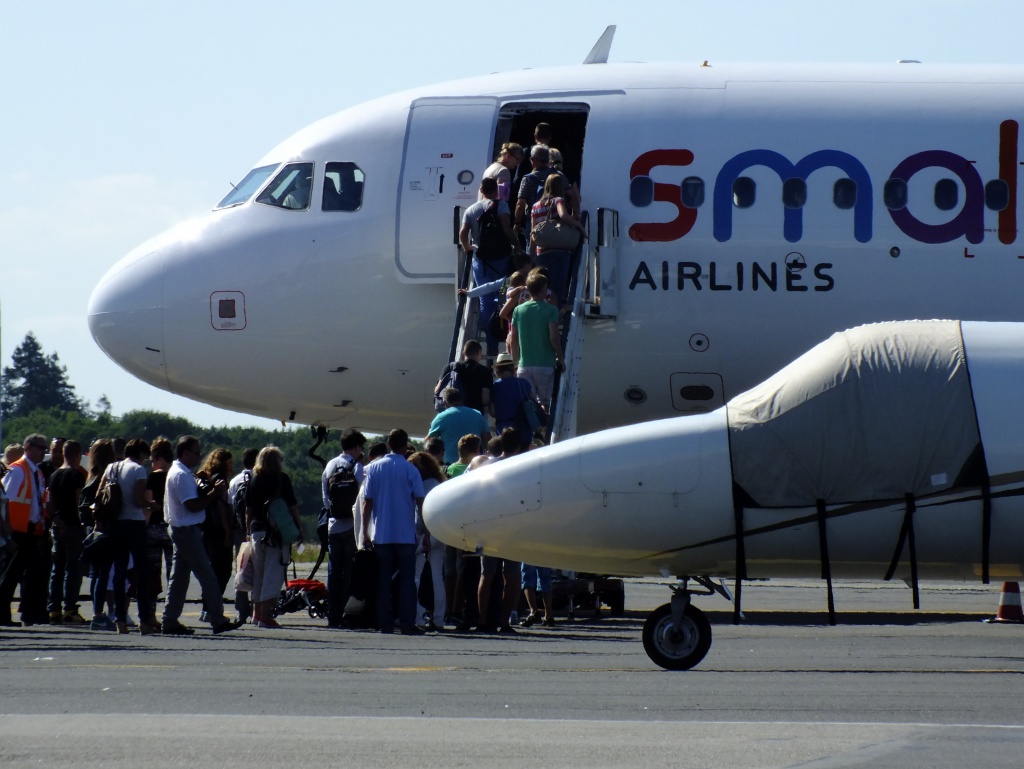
(485, 508)
(126, 316)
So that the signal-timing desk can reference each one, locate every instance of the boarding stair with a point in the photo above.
(591, 295)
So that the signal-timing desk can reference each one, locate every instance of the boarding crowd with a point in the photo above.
(143, 513)
(139, 514)
(520, 262)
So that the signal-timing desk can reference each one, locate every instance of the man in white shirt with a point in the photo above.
(185, 511)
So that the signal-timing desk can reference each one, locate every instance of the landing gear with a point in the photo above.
(677, 635)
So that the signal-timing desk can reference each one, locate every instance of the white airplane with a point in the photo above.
(738, 215)
(890, 450)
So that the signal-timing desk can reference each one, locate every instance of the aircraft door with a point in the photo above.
(602, 298)
(448, 144)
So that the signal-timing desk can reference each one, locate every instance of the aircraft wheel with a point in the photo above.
(677, 648)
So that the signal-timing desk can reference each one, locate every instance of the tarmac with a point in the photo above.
(887, 686)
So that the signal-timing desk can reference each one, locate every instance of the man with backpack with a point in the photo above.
(470, 377)
(487, 238)
(238, 488)
(342, 478)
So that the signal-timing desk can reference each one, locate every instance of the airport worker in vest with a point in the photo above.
(27, 516)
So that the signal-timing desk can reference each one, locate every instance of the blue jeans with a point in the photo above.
(341, 549)
(486, 272)
(130, 539)
(557, 263)
(66, 574)
(401, 558)
(190, 558)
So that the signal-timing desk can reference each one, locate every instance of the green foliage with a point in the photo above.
(36, 381)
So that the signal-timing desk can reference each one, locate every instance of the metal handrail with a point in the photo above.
(577, 278)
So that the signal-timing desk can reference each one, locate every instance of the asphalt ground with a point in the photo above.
(888, 686)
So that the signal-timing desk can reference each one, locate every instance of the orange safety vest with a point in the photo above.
(19, 507)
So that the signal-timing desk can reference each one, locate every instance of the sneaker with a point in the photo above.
(226, 626)
(549, 622)
(269, 624)
(506, 630)
(176, 628)
(102, 622)
(532, 619)
(55, 618)
(73, 618)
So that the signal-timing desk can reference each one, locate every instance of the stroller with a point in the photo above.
(308, 595)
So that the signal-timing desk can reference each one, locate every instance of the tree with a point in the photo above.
(36, 381)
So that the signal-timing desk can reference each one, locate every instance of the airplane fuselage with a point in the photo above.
(759, 210)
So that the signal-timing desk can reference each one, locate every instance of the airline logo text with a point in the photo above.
(968, 222)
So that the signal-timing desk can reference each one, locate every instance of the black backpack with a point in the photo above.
(491, 240)
(342, 489)
(238, 502)
(453, 376)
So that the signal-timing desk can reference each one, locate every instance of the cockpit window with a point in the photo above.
(246, 188)
(343, 187)
(290, 188)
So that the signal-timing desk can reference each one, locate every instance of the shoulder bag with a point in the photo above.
(553, 234)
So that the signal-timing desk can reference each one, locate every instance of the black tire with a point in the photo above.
(672, 648)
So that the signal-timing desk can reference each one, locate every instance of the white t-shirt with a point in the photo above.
(128, 473)
(497, 170)
(181, 487)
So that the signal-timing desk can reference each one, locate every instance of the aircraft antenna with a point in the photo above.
(599, 53)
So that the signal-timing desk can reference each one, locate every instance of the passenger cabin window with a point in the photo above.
(895, 194)
(744, 190)
(343, 187)
(641, 191)
(794, 193)
(290, 188)
(693, 192)
(246, 188)
(997, 195)
(844, 194)
(947, 194)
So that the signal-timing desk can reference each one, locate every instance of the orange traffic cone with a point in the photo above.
(1009, 605)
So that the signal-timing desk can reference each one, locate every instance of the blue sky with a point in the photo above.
(120, 119)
